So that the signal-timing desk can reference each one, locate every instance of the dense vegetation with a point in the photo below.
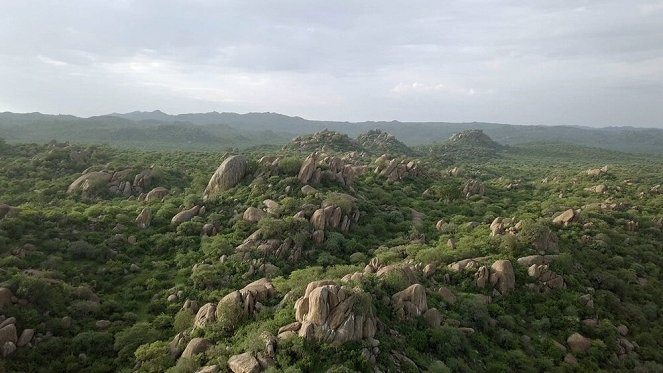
(105, 292)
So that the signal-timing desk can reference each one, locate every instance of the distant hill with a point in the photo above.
(471, 144)
(241, 130)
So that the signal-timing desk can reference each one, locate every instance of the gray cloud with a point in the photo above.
(591, 62)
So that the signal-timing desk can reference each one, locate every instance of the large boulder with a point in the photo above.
(156, 194)
(206, 315)
(246, 300)
(229, 174)
(333, 314)
(144, 219)
(196, 346)
(411, 302)
(578, 343)
(566, 217)
(308, 168)
(253, 214)
(185, 215)
(502, 276)
(26, 337)
(8, 334)
(5, 297)
(90, 182)
(244, 363)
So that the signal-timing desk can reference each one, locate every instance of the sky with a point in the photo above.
(551, 62)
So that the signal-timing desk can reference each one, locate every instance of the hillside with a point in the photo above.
(538, 259)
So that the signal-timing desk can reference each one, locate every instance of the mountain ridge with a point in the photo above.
(37, 127)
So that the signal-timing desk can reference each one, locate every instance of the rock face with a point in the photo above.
(284, 249)
(566, 217)
(411, 302)
(333, 314)
(185, 215)
(144, 219)
(578, 343)
(502, 276)
(229, 174)
(244, 363)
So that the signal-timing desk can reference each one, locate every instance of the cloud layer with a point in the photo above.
(591, 62)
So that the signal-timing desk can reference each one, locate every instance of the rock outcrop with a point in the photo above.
(230, 173)
(336, 213)
(411, 302)
(337, 170)
(474, 188)
(247, 300)
(597, 171)
(91, 182)
(394, 169)
(331, 313)
(267, 247)
(380, 141)
(547, 278)
(124, 182)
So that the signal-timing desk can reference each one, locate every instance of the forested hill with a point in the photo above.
(213, 130)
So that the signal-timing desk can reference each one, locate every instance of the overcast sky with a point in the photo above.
(575, 62)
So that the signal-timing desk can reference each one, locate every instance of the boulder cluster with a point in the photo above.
(395, 169)
(10, 339)
(500, 275)
(379, 140)
(123, 182)
(337, 213)
(326, 140)
(336, 169)
(331, 313)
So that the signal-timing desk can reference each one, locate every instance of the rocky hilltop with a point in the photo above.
(381, 142)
